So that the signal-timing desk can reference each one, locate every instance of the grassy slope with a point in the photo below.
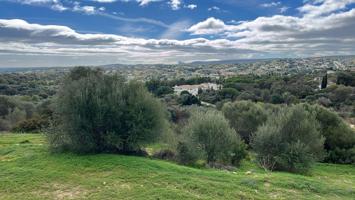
(28, 171)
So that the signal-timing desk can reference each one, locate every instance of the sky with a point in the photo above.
(45, 33)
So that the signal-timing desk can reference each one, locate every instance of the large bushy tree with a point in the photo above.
(104, 113)
(289, 140)
(346, 78)
(339, 137)
(208, 136)
(245, 117)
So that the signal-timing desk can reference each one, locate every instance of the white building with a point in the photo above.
(193, 89)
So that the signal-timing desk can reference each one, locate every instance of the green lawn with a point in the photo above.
(29, 171)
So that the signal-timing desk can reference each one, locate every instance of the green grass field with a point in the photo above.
(29, 171)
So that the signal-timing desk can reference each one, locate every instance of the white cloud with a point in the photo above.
(104, 1)
(36, 1)
(20, 37)
(322, 27)
(146, 2)
(134, 20)
(175, 4)
(314, 8)
(284, 9)
(310, 32)
(214, 8)
(191, 6)
(271, 4)
(59, 7)
(53, 4)
(209, 26)
(90, 10)
(141, 2)
(175, 30)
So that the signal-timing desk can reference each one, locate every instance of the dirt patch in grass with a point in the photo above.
(59, 191)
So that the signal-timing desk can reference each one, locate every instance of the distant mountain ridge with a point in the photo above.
(239, 61)
(347, 58)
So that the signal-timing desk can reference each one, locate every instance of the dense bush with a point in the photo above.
(187, 99)
(32, 125)
(159, 88)
(103, 113)
(165, 154)
(342, 156)
(41, 85)
(11, 119)
(228, 93)
(289, 140)
(346, 78)
(178, 115)
(187, 153)
(339, 137)
(342, 95)
(245, 117)
(6, 106)
(209, 137)
(19, 113)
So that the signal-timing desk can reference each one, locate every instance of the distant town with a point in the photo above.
(216, 69)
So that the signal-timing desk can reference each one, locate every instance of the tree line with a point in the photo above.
(97, 112)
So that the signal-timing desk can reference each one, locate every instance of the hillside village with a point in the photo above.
(221, 70)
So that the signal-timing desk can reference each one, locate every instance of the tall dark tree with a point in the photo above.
(324, 82)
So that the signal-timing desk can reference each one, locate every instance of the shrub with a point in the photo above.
(208, 136)
(165, 154)
(16, 116)
(289, 140)
(341, 94)
(346, 78)
(103, 113)
(245, 117)
(6, 106)
(339, 137)
(342, 156)
(187, 99)
(4, 125)
(277, 99)
(34, 125)
(228, 93)
(187, 155)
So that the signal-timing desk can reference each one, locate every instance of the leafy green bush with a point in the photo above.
(346, 78)
(4, 125)
(209, 137)
(187, 99)
(245, 117)
(228, 93)
(103, 113)
(165, 154)
(343, 156)
(16, 111)
(339, 137)
(32, 125)
(187, 154)
(289, 140)
(6, 106)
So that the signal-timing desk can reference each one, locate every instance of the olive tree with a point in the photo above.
(339, 137)
(96, 112)
(245, 117)
(289, 140)
(208, 136)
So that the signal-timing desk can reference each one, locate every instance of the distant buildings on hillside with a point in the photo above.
(193, 89)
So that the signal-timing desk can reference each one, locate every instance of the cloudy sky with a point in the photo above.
(94, 32)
